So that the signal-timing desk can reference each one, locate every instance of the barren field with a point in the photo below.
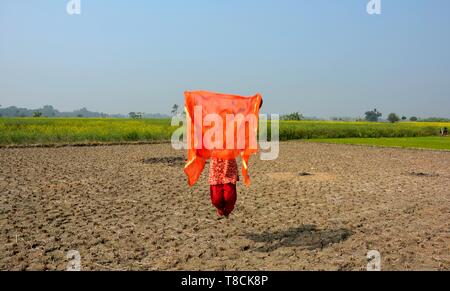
(318, 207)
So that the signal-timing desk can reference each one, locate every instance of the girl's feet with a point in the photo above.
(223, 197)
(222, 215)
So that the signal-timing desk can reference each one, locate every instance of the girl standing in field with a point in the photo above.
(223, 176)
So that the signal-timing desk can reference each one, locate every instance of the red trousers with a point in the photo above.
(223, 197)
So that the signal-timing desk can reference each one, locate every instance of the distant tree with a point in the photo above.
(404, 118)
(79, 115)
(175, 109)
(393, 118)
(293, 116)
(136, 115)
(37, 114)
(373, 115)
(413, 118)
(49, 111)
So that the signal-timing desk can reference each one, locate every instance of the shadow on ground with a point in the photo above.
(305, 237)
(169, 161)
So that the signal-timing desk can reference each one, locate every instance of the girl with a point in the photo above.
(223, 176)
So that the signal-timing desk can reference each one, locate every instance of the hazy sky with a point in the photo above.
(321, 57)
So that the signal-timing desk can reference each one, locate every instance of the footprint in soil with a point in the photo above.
(304, 174)
(305, 236)
(170, 161)
(422, 174)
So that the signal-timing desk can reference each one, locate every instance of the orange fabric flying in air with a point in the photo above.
(200, 107)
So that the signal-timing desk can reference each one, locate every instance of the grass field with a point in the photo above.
(433, 142)
(292, 130)
(25, 131)
(20, 131)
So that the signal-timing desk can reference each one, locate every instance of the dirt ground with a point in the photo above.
(318, 207)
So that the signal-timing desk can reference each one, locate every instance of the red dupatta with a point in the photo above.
(231, 138)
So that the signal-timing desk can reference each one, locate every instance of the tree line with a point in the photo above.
(50, 111)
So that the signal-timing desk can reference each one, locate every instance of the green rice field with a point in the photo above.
(431, 142)
(51, 131)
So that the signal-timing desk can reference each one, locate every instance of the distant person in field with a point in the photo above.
(223, 177)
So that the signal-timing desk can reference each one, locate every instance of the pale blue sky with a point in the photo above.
(322, 57)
